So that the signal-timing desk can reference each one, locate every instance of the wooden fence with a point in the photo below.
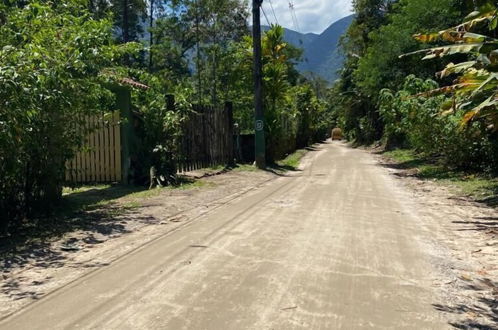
(207, 138)
(100, 158)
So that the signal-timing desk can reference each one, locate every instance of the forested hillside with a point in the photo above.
(321, 52)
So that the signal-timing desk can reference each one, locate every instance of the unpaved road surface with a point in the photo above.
(338, 244)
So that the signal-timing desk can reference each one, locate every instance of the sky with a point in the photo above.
(312, 15)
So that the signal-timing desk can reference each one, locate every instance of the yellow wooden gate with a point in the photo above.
(99, 161)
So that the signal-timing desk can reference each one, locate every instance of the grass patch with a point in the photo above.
(479, 186)
(245, 168)
(86, 198)
(217, 168)
(90, 197)
(291, 162)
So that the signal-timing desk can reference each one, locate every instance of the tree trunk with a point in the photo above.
(125, 27)
(151, 40)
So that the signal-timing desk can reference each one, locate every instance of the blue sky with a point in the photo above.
(312, 15)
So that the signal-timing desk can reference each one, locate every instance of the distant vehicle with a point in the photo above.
(336, 134)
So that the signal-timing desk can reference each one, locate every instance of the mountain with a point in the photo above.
(321, 53)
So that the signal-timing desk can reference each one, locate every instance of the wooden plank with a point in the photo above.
(101, 150)
(117, 147)
(89, 147)
(78, 162)
(86, 158)
(106, 153)
(93, 145)
(204, 149)
(67, 173)
(97, 150)
(112, 167)
(77, 167)
(73, 173)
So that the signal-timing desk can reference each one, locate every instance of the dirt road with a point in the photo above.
(335, 245)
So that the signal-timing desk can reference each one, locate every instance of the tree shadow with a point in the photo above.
(431, 169)
(281, 170)
(409, 164)
(491, 200)
(314, 148)
(487, 224)
(481, 315)
(91, 215)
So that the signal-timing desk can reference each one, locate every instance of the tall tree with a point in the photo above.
(129, 16)
(379, 34)
(192, 36)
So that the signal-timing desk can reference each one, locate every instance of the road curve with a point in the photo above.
(333, 246)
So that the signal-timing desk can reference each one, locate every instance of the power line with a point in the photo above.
(294, 16)
(273, 11)
(266, 17)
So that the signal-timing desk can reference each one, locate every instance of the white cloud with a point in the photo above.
(312, 15)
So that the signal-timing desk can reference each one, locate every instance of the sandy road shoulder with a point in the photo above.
(34, 273)
(466, 232)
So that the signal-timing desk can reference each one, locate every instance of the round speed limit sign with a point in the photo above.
(259, 125)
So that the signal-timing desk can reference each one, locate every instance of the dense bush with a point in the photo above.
(381, 31)
(162, 114)
(50, 59)
(430, 125)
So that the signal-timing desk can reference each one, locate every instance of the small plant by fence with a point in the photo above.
(207, 138)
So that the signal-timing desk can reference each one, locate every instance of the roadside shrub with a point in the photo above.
(431, 125)
(50, 59)
(162, 114)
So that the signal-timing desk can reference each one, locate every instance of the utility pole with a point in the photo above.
(259, 124)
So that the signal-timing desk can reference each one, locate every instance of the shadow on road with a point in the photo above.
(473, 315)
(281, 170)
(90, 213)
(426, 169)
(486, 224)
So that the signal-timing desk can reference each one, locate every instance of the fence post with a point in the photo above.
(230, 133)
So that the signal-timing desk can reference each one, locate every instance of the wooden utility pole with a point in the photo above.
(259, 124)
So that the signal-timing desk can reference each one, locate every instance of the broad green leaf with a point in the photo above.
(456, 68)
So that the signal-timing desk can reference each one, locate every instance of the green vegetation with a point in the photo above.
(84, 207)
(245, 168)
(292, 161)
(289, 163)
(387, 92)
(61, 62)
(91, 197)
(379, 34)
(480, 187)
